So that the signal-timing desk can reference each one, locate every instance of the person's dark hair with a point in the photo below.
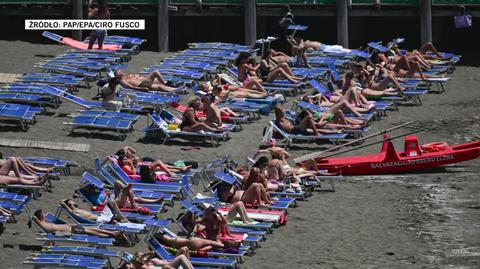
(102, 6)
(209, 97)
(262, 161)
(1, 155)
(241, 57)
(67, 202)
(374, 57)
(303, 114)
(267, 53)
(38, 214)
(114, 81)
(120, 159)
(120, 152)
(349, 75)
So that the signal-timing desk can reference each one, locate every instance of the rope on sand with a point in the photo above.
(44, 145)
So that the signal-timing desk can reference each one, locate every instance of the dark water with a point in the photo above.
(230, 29)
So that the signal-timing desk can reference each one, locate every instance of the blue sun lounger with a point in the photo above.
(158, 124)
(109, 114)
(69, 261)
(78, 250)
(109, 176)
(21, 114)
(288, 139)
(120, 126)
(69, 70)
(83, 102)
(164, 254)
(85, 222)
(31, 99)
(88, 178)
(242, 250)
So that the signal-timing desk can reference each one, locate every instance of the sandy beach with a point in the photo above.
(427, 220)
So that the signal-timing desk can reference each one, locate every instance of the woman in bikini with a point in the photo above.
(255, 194)
(151, 82)
(247, 72)
(269, 71)
(149, 261)
(191, 123)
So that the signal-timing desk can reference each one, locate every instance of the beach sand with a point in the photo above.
(427, 220)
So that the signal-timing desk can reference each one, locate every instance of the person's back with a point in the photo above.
(214, 114)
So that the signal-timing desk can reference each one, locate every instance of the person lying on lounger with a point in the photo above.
(237, 211)
(192, 243)
(213, 226)
(149, 261)
(123, 195)
(151, 82)
(155, 165)
(299, 52)
(191, 123)
(255, 194)
(280, 161)
(39, 218)
(112, 212)
(403, 68)
(11, 174)
(211, 110)
(269, 71)
(310, 45)
(259, 174)
(306, 124)
(247, 72)
(227, 91)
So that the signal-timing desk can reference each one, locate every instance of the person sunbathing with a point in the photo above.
(49, 227)
(6, 212)
(213, 113)
(269, 71)
(109, 94)
(192, 243)
(16, 167)
(122, 196)
(213, 226)
(149, 261)
(260, 173)
(299, 52)
(190, 121)
(247, 72)
(237, 211)
(403, 68)
(151, 82)
(228, 91)
(306, 124)
(255, 194)
(112, 212)
(155, 165)
(310, 45)
(279, 158)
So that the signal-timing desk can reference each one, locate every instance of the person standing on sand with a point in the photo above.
(99, 12)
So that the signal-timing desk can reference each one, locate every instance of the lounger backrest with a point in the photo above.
(78, 219)
(192, 208)
(91, 179)
(51, 218)
(159, 249)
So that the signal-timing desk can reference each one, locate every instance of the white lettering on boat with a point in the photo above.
(412, 162)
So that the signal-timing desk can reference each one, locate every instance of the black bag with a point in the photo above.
(127, 45)
(147, 175)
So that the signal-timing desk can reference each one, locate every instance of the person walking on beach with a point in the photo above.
(99, 12)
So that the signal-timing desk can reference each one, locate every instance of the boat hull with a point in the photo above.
(390, 163)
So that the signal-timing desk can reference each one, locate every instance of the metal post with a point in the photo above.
(163, 25)
(342, 23)
(425, 12)
(77, 14)
(250, 20)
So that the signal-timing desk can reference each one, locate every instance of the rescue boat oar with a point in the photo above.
(314, 155)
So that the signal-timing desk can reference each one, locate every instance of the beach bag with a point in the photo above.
(147, 175)
(462, 20)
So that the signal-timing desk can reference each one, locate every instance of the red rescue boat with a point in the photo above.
(388, 161)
